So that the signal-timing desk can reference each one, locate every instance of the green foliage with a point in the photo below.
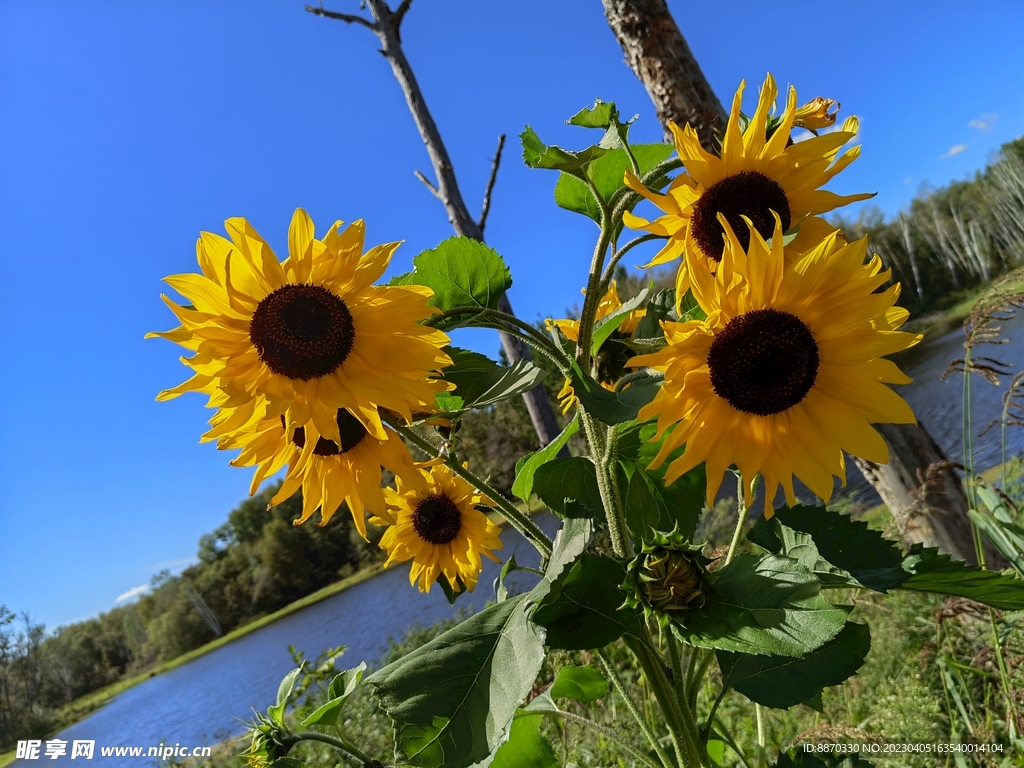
(679, 503)
(764, 606)
(607, 325)
(537, 154)
(573, 479)
(784, 681)
(612, 407)
(606, 173)
(480, 382)
(462, 273)
(527, 466)
(841, 551)
(585, 607)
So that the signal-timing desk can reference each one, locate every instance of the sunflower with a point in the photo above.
(757, 176)
(311, 334)
(326, 473)
(787, 371)
(611, 358)
(440, 529)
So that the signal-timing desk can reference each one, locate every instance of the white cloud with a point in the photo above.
(908, 179)
(984, 123)
(956, 149)
(133, 592)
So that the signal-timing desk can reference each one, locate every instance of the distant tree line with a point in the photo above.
(254, 564)
(952, 239)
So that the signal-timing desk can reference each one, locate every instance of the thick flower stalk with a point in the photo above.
(786, 373)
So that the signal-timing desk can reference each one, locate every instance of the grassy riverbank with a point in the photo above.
(82, 707)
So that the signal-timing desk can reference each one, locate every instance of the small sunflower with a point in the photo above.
(440, 529)
(787, 371)
(327, 472)
(755, 177)
(611, 359)
(311, 334)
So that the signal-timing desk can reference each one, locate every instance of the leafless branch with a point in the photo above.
(385, 25)
(348, 18)
(426, 182)
(490, 184)
(398, 15)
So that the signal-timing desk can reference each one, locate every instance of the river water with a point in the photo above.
(204, 701)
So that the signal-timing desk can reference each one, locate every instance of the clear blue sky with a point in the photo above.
(126, 128)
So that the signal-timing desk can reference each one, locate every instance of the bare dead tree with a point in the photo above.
(658, 55)
(386, 25)
(906, 236)
(657, 64)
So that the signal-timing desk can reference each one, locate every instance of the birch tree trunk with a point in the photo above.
(934, 512)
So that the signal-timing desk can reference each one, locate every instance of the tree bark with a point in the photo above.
(659, 56)
(919, 485)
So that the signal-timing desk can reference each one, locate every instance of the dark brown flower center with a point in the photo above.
(352, 434)
(749, 194)
(763, 362)
(302, 331)
(437, 519)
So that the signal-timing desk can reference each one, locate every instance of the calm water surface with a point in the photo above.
(202, 702)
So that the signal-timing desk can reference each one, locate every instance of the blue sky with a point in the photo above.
(126, 128)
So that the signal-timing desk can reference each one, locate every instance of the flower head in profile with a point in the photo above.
(786, 373)
(327, 472)
(757, 176)
(816, 114)
(613, 355)
(439, 528)
(311, 334)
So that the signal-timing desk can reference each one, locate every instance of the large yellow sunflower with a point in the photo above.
(440, 529)
(311, 334)
(326, 473)
(754, 177)
(787, 371)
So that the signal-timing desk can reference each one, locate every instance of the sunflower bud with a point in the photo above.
(667, 578)
(815, 114)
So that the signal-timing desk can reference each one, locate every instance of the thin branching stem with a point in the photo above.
(634, 710)
(338, 743)
(608, 732)
(609, 271)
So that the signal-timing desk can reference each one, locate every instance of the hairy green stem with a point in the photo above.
(338, 743)
(609, 270)
(696, 680)
(741, 518)
(762, 753)
(600, 440)
(682, 726)
(634, 710)
(518, 520)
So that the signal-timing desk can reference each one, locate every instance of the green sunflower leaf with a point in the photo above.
(766, 605)
(526, 747)
(683, 499)
(607, 174)
(452, 700)
(612, 407)
(783, 681)
(537, 154)
(661, 306)
(527, 466)
(608, 324)
(601, 115)
(645, 508)
(584, 609)
(479, 381)
(848, 553)
(462, 273)
(579, 684)
(573, 479)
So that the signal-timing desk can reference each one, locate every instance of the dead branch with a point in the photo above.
(490, 184)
